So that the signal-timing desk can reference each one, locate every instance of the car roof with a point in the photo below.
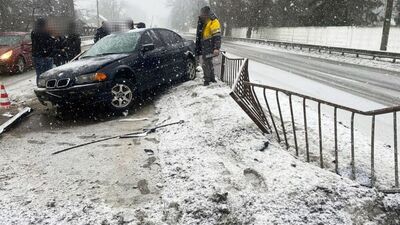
(142, 30)
(13, 33)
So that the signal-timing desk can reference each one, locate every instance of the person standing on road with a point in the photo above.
(60, 55)
(208, 42)
(103, 31)
(42, 47)
(72, 42)
(141, 25)
(131, 24)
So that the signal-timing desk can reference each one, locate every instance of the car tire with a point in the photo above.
(20, 66)
(190, 73)
(124, 94)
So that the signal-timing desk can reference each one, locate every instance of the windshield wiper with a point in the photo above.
(104, 54)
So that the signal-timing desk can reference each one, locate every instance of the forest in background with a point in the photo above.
(284, 13)
(17, 15)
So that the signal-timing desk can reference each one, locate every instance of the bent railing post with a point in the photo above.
(246, 99)
(396, 159)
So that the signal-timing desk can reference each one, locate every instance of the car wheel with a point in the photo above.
(20, 66)
(191, 69)
(123, 95)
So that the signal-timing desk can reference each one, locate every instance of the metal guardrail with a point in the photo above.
(244, 93)
(246, 98)
(230, 67)
(357, 52)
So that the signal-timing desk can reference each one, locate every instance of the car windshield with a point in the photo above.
(114, 44)
(9, 40)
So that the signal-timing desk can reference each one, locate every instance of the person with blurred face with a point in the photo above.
(42, 47)
(208, 42)
(131, 24)
(72, 42)
(103, 31)
(141, 25)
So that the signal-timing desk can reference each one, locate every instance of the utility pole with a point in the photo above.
(98, 13)
(386, 25)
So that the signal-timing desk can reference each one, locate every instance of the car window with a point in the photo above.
(10, 40)
(149, 37)
(114, 44)
(169, 37)
(146, 39)
(27, 38)
(158, 43)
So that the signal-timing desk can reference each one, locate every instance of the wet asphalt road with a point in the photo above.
(379, 85)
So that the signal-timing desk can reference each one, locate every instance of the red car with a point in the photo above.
(15, 52)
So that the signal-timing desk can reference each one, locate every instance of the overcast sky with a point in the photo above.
(141, 10)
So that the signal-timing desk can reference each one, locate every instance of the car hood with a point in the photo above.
(4, 49)
(82, 66)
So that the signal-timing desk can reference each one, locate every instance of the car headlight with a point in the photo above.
(90, 78)
(42, 83)
(6, 55)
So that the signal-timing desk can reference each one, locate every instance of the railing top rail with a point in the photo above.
(232, 57)
(366, 113)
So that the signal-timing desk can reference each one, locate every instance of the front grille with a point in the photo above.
(51, 83)
(63, 83)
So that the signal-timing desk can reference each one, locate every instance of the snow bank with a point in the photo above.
(218, 170)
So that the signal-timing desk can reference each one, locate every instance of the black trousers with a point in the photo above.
(208, 68)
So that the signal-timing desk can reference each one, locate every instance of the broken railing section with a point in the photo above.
(247, 99)
(245, 94)
(230, 67)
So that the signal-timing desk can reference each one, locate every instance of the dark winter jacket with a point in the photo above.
(100, 33)
(60, 54)
(199, 32)
(72, 46)
(42, 44)
(208, 35)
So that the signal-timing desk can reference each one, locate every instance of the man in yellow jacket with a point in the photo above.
(208, 42)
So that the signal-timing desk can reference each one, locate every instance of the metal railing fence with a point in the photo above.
(246, 94)
(230, 68)
(357, 52)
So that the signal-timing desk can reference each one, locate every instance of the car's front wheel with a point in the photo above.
(191, 69)
(20, 66)
(123, 95)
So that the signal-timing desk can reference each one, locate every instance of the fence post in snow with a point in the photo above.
(396, 156)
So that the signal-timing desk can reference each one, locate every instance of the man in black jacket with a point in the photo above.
(102, 32)
(208, 42)
(72, 42)
(42, 48)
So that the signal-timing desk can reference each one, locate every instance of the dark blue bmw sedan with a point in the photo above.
(118, 67)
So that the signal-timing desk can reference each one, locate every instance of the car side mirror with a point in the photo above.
(148, 47)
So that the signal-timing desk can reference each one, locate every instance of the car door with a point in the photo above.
(149, 63)
(174, 52)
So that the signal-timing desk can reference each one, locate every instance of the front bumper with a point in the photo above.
(79, 94)
(6, 67)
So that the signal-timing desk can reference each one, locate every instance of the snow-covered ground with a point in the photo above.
(384, 158)
(233, 179)
(213, 169)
